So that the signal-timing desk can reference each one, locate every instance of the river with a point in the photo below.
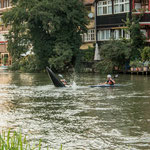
(80, 117)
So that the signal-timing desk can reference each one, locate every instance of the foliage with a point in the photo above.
(136, 63)
(104, 66)
(146, 64)
(26, 64)
(145, 54)
(16, 141)
(88, 55)
(5, 59)
(137, 38)
(114, 53)
(133, 63)
(62, 57)
(140, 64)
(51, 28)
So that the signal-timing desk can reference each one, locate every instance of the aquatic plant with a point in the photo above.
(16, 141)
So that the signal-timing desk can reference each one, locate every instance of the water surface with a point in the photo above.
(79, 118)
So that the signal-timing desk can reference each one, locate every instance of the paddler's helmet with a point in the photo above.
(108, 76)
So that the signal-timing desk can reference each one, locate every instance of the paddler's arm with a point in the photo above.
(113, 81)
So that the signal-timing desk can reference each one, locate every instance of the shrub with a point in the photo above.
(114, 53)
(145, 54)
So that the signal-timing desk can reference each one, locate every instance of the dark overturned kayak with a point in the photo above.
(56, 81)
(105, 85)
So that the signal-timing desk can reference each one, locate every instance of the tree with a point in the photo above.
(137, 38)
(114, 53)
(51, 27)
(145, 54)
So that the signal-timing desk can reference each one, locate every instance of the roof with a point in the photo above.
(88, 2)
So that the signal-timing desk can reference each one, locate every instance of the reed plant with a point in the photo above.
(16, 141)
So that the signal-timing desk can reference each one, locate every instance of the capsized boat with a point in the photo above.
(56, 81)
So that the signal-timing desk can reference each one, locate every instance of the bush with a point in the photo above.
(114, 53)
(104, 67)
(88, 55)
(25, 64)
(145, 54)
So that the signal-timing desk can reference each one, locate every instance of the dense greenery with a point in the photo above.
(114, 53)
(137, 38)
(145, 54)
(51, 29)
(118, 53)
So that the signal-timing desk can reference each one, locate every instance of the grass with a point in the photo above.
(16, 141)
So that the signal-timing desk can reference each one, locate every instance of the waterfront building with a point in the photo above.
(111, 14)
(5, 58)
(89, 38)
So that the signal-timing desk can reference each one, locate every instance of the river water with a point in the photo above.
(80, 117)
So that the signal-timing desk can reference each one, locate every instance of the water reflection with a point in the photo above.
(78, 118)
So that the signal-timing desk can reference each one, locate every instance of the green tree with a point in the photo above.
(137, 38)
(114, 53)
(51, 27)
(145, 54)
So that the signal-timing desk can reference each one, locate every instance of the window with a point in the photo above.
(6, 3)
(144, 32)
(0, 4)
(116, 34)
(2, 37)
(121, 6)
(103, 35)
(89, 36)
(104, 7)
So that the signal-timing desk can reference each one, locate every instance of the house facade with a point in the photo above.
(111, 14)
(5, 58)
(89, 38)
(143, 7)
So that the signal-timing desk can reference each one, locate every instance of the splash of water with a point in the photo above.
(74, 85)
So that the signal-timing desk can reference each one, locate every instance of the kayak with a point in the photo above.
(56, 81)
(104, 85)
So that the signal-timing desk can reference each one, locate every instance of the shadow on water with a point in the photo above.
(80, 117)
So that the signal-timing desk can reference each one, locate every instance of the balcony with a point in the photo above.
(5, 9)
(140, 6)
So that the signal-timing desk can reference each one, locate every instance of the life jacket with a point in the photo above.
(110, 82)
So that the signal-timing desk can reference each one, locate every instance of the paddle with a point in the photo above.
(61, 76)
(116, 76)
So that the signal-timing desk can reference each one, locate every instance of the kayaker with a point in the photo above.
(64, 81)
(110, 81)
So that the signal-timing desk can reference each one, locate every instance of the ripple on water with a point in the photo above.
(78, 117)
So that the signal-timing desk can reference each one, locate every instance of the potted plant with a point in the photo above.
(133, 65)
(146, 65)
(149, 65)
(140, 66)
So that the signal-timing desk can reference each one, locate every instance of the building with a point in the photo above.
(5, 58)
(111, 13)
(89, 37)
(143, 7)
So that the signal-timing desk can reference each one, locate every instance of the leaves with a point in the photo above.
(46, 25)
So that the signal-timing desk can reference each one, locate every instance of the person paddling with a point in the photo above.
(110, 81)
(64, 81)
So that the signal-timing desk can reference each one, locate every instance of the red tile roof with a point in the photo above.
(88, 2)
